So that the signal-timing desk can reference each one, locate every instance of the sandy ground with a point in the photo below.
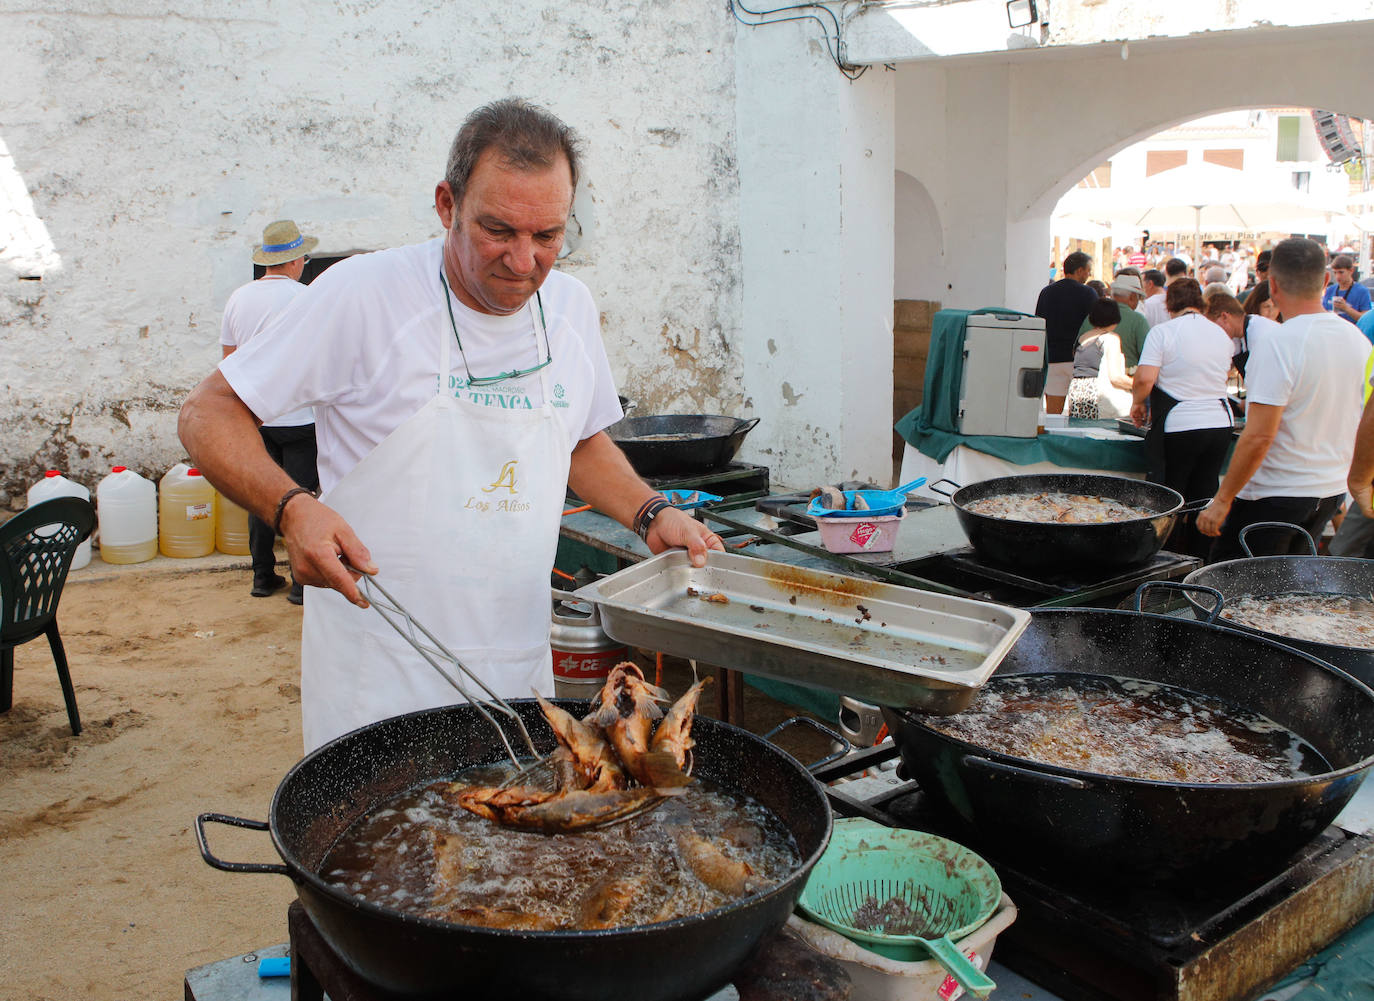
(188, 691)
(189, 694)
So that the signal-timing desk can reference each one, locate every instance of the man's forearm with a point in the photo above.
(221, 437)
(1362, 465)
(601, 475)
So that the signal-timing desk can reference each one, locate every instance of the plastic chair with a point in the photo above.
(36, 550)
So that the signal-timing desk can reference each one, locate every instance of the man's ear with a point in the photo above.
(444, 204)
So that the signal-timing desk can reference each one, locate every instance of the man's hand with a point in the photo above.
(1211, 518)
(1139, 412)
(676, 528)
(319, 543)
(1364, 499)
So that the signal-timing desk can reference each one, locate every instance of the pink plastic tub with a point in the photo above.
(860, 535)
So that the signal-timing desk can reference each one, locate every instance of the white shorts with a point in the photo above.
(1058, 377)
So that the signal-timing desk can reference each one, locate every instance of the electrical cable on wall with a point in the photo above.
(833, 43)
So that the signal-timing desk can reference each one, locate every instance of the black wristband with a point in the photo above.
(281, 505)
(647, 513)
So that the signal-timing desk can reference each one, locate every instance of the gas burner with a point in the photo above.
(965, 569)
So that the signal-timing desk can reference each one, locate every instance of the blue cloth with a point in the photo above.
(1356, 297)
(1366, 325)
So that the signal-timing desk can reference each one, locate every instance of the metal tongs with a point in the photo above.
(436, 655)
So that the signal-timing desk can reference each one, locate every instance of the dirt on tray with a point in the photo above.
(189, 693)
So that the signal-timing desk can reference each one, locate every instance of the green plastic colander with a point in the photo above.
(904, 894)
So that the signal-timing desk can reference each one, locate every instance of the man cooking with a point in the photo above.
(460, 388)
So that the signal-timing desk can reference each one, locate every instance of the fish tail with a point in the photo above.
(663, 772)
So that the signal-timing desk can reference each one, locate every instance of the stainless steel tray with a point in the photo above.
(878, 642)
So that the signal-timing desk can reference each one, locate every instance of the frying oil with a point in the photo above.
(1130, 728)
(422, 854)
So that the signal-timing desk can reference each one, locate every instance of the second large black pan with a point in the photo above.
(1048, 546)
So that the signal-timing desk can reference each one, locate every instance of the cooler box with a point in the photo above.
(1004, 366)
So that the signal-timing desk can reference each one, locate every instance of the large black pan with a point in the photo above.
(418, 957)
(698, 444)
(1284, 574)
(1113, 829)
(1037, 546)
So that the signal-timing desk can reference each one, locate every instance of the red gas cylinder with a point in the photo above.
(583, 654)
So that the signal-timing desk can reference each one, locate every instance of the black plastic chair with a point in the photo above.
(36, 550)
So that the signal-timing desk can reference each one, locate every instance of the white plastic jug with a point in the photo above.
(54, 484)
(185, 513)
(126, 505)
(231, 526)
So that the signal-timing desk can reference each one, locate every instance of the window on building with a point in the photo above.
(1288, 132)
(1233, 158)
(1157, 161)
(1302, 180)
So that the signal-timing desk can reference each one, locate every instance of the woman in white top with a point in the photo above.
(1182, 374)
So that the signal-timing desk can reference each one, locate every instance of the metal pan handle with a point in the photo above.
(1193, 506)
(1295, 529)
(1173, 585)
(218, 863)
(746, 426)
(935, 487)
(1004, 768)
(845, 745)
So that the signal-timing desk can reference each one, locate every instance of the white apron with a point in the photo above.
(460, 508)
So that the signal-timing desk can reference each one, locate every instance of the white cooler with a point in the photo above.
(1003, 380)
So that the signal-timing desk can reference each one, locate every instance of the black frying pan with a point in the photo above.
(680, 443)
(1042, 546)
(424, 958)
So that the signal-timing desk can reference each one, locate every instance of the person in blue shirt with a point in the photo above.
(1366, 324)
(1344, 296)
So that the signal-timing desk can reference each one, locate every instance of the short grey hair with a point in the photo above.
(1298, 267)
(524, 136)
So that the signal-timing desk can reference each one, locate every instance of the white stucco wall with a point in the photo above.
(146, 150)
(815, 225)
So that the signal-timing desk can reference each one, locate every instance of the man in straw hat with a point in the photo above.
(1131, 331)
(460, 387)
(290, 438)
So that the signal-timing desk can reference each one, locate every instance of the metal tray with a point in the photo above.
(878, 642)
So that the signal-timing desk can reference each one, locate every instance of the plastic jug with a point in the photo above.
(231, 527)
(54, 484)
(185, 513)
(126, 505)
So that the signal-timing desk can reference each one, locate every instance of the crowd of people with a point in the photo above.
(1283, 338)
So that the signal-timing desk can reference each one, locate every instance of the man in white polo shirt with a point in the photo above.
(1305, 395)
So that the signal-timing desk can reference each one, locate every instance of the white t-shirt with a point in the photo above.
(1257, 329)
(1194, 358)
(1153, 309)
(245, 314)
(1312, 366)
(362, 346)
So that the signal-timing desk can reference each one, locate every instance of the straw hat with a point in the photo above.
(282, 242)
